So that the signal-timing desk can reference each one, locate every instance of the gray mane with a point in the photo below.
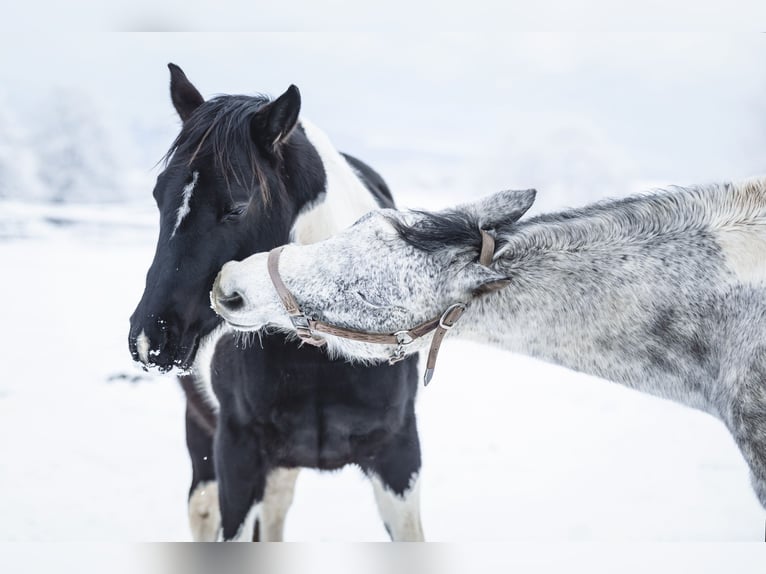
(641, 217)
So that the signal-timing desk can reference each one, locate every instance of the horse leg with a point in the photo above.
(204, 515)
(394, 473)
(277, 498)
(748, 426)
(241, 479)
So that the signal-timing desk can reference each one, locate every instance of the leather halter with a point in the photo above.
(307, 328)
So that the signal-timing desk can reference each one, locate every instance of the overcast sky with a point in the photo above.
(580, 113)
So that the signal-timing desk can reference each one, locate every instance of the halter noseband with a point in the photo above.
(307, 327)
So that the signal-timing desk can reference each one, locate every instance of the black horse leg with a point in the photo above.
(241, 479)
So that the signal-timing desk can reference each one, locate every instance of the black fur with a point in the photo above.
(431, 232)
(280, 404)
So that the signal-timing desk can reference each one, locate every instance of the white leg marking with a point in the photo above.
(183, 210)
(245, 532)
(401, 514)
(142, 346)
(346, 198)
(277, 499)
(204, 512)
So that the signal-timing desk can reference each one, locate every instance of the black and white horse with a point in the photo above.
(244, 175)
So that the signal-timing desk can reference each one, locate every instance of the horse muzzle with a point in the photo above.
(230, 301)
(154, 344)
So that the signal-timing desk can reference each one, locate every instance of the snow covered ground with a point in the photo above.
(514, 449)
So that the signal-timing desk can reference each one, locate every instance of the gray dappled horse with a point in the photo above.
(664, 293)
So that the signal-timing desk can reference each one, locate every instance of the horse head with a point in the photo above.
(389, 272)
(233, 181)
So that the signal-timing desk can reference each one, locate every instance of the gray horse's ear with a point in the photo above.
(186, 98)
(501, 209)
(276, 120)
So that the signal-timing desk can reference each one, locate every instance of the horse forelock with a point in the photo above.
(432, 232)
(220, 129)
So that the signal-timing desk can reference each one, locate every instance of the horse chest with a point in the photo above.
(306, 410)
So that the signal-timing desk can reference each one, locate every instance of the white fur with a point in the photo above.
(401, 514)
(277, 499)
(202, 365)
(745, 252)
(204, 512)
(246, 529)
(346, 198)
(184, 209)
(743, 243)
(142, 346)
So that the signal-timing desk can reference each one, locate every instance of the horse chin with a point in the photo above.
(182, 360)
(243, 327)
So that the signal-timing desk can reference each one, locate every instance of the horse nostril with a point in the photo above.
(231, 302)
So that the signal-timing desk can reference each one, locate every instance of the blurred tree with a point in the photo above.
(76, 160)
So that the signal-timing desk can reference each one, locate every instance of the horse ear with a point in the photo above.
(276, 120)
(185, 96)
(502, 209)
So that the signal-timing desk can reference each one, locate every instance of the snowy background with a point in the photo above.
(93, 449)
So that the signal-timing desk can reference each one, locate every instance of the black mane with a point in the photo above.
(221, 129)
(432, 231)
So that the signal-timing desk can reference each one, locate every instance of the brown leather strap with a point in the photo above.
(354, 335)
(300, 321)
(487, 248)
(289, 302)
(395, 339)
(307, 328)
(293, 309)
(446, 322)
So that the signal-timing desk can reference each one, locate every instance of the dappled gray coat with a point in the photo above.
(664, 293)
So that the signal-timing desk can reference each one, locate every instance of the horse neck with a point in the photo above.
(629, 308)
(344, 200)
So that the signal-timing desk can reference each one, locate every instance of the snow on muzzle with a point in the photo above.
(156, 344)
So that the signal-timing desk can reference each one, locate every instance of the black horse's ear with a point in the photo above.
(276, 120)
(185, 96)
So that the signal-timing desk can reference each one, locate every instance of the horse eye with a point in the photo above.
(234, 213)
(374, 303)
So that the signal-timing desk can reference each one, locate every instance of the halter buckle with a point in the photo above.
(446, 313)
(300, 322)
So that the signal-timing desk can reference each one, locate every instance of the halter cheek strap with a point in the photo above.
(307, 328)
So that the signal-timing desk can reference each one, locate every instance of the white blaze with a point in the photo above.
(183, 210)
